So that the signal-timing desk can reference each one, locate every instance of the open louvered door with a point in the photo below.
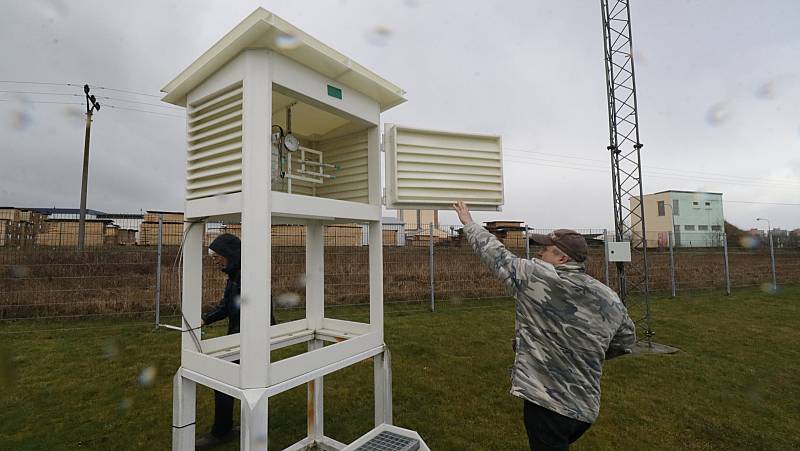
(427, 169)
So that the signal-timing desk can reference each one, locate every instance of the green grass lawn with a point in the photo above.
(734, 385)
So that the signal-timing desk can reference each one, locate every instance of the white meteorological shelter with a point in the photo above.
(282, 129)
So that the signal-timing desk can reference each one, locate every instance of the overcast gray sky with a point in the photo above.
(718, 84)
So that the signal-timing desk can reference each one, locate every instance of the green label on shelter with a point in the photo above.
(334, 92)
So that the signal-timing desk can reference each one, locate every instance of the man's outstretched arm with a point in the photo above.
(512, 271)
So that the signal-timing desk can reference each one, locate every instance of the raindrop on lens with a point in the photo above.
(769, 288)
(718, 114)
(768, 90)
(288, 299)
(750, 242)
(20, 120)
(261, 438)
(379, 35)
(19, 271)
(110, 350)
(148, 376)
(287, 42)
(8, 368)
(125, 404)
(72, 113)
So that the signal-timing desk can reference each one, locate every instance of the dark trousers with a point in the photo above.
(548, 430)
(223, 413)
(223, 404)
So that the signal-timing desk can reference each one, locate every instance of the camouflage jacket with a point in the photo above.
(566, 322)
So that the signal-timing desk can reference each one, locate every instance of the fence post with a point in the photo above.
(605, 254)
(158, 268)
(527, 244)
(772, 257)
(430, 264)
(671, 263)
(727, 268)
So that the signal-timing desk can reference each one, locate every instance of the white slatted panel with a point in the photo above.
(349, 152)
(432, 169)
(214, 143)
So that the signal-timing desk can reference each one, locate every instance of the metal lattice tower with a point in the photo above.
(624, 148)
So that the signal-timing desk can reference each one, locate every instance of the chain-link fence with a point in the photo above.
(131, 264)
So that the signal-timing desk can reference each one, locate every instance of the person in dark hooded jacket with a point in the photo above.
(226, 250)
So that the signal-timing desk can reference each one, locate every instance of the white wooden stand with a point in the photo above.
(258, 76)
(248, 82)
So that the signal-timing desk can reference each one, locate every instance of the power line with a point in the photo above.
(105, 105)
(38, 92)
(127, 92)
(683, 171)
(649, 173)
(99, 97)
(43, 101)
(140, 103)
(602, 171)
(78, 85)
(116, 107)
(762, 203)
(729, 179)
(34, 83)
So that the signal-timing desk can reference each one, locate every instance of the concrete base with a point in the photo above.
(643, 347)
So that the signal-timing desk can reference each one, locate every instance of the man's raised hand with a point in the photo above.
(463, 212)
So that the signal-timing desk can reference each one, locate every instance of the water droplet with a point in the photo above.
(287, 42)
(73, 113)
(56, 8)
(411, 3)
(288, 299)
(379, 35)
(750, 242)
(718, 114)
(8, 368)
(261, 438)
(701, 195)
(20, 120)
(768, 90)
(300, 283)
(769, 288)
(456, 300)
(148, 376)
(19, 271)
(110, 350)
(639, 58)
(125, 404)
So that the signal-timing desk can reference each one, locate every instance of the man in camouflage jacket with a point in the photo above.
(567, 324)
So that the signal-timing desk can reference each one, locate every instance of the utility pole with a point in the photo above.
(91, 106)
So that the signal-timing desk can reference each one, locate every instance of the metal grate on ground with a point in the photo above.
(389, 441)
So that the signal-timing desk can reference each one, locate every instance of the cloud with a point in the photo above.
(530, 72)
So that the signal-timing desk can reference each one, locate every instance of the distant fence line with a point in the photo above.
(118, 278)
